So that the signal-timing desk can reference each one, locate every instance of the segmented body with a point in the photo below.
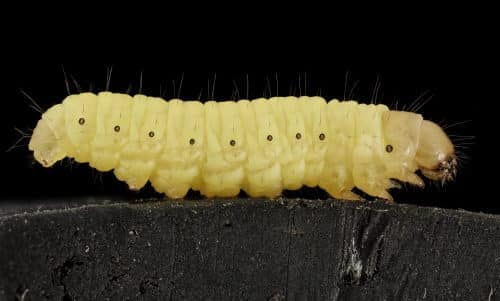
(261, 146)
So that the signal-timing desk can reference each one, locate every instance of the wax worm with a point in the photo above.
(262, 146)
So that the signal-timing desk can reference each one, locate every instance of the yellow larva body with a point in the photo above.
(262, 146)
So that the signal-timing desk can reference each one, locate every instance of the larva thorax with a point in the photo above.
(261, 146)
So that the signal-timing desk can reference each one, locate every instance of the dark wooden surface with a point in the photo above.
(248, 250)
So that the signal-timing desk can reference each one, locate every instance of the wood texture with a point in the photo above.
(248, 250)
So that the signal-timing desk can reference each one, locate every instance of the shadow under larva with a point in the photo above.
(262, 146)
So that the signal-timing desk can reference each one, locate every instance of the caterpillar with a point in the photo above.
(262, 146)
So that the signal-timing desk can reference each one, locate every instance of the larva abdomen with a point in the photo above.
(261, 146)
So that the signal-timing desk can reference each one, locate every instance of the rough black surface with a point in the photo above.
(249, 250)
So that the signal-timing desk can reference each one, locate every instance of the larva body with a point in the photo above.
(262, 146)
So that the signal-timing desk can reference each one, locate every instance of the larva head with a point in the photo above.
(45, 141)
(414, 143)
(436, 154)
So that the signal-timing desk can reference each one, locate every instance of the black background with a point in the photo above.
(404, 73)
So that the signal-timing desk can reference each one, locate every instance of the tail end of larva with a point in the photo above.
(44, 145)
